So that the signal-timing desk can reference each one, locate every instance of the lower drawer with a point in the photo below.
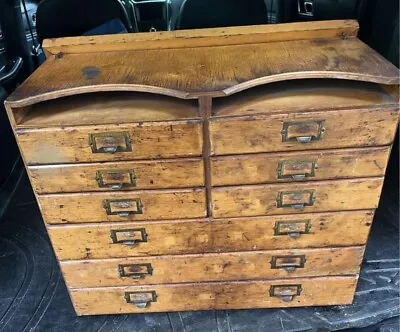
(208, 296)
(135, 239)
(278, 264)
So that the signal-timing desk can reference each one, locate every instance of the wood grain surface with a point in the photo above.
(213, 71)
(203, 37)
(93, 241)
(343, 129)
(149, 141)
(303, 96)
(254, 265)
(105, 108)
(290, 167)
(258, 200)
(217, 296)
(159, 174)
(90, 207)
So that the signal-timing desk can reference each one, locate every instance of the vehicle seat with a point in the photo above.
(197, 14)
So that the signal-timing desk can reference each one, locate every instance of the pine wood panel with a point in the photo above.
(179, 173)
(258, 200)
(288, 167)
(90, 207)
(204, 71)
(213, 267)
(203, 37)
(105, 108)
(302, 96)
(342, 129)
(207, 296)
(149, 140)
(93, 241)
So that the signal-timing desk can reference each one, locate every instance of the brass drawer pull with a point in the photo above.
(110, 142)
(129, 237)
(293, 229)
(135, 271)
(296, 170)
(303, 132)
(296, 200)
(286, 293)
(288, 263)
(123, 207)
(116, 179)
(141, 300)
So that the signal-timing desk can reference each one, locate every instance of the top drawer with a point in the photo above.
(302, 131)
(111, 143)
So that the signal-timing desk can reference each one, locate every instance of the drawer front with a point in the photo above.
(111, 143)
(120, 240)
(206, 296)
(280, 264)
(275, 199)
(303, 131)
(123, 206)
(299, 166)
(160, 174)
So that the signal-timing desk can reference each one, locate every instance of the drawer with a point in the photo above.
(111, 143)
(123, 206)
(207, 296)
(255, 265)
(120, 240)
(303, 131)
(124, 175)
(275, 199)
(299, 166)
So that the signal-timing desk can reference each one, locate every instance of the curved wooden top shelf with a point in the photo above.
(218, 70)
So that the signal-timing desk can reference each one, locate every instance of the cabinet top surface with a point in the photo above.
(231, 61)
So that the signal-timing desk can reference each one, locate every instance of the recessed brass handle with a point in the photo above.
(303, 132)
(141, 300)
(129, 237)
(116, 179)
(110, 142)
(296, 200)
(123, 207)
(288, 263)
(292, 228)
(286, 293)
(296, 169)
(135, 271)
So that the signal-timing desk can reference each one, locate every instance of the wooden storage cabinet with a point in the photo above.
(172, 177)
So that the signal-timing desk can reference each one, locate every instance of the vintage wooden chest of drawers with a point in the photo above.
(209, 169)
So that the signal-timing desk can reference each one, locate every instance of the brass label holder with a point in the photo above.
(110, 142)
(141, 300)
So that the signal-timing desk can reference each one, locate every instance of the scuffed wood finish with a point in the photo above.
(302, 96)
(202, 37)
(106, 108)
(200, 236)
(258, 200)
(185, 165)
(343, 129)
(217, 296)
(254, 265)
(206, 71)
(179, 173)
(283, 167)
(90, 207)
(149, 140)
